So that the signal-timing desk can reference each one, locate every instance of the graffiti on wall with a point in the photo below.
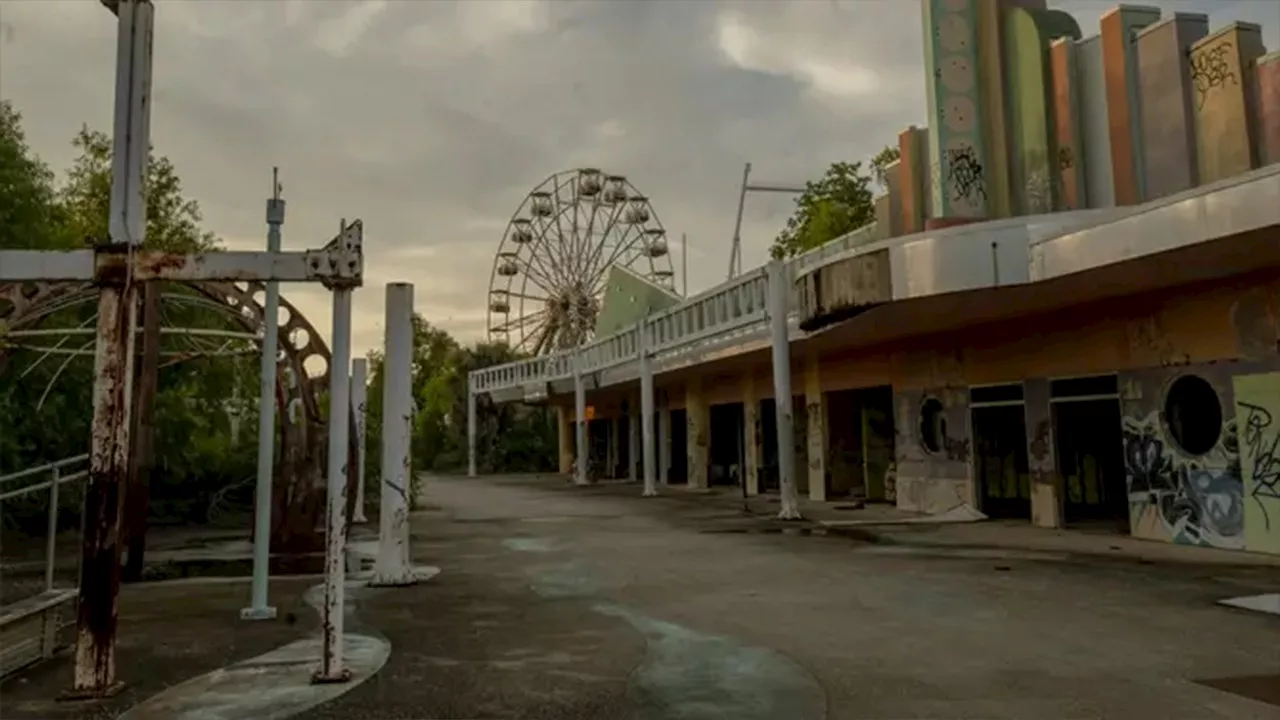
(1211, 69)
(965, 178)
(1258, 409)
(1198, 501)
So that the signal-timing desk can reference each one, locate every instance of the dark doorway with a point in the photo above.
(678, 473)
(859, 442)
(622, 468)
(875, 439)
(598, 447)
(1086, 437)
(1000, 456)
(726, 448)
(768, 446)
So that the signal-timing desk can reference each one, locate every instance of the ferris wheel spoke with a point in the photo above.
(553, 257)
(590, 268)
(623, 245)
(521, 321)
(549, 250)
(526, 296)
(535, 271)
(587, 246)
(548, 241)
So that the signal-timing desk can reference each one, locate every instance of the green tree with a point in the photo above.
(173, 220)
(880, 165)
(30, 217)
(49, 399)
(839, 203)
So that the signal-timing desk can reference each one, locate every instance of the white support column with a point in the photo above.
(360, 406)
(781, 352)
(471, 429)
(392, 565)
(580, 420)
(646, 414)
(331, 669)
(258, 608)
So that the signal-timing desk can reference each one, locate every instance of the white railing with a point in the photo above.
(731, 307)
(58, 473)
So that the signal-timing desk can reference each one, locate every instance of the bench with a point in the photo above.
(35, 628)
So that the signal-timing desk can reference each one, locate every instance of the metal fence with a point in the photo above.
(49, 477)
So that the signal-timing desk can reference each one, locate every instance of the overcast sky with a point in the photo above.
(431, 120)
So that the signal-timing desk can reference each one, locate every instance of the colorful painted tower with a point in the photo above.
(1120, 27)
(1222, 68)
(1029, 88)
(1168, 114)
(958, 160)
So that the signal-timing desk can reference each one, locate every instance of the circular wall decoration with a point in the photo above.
(1193, 414)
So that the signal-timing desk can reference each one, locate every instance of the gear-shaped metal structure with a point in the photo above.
(304, 428)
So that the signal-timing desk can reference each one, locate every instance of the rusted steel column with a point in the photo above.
(95, 660)
(142, 453)
(331, 665)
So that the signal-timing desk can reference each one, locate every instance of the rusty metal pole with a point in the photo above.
(142, 454)
(331, 669)
(95, 655)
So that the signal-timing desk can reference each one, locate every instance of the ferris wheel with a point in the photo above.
(548, 278)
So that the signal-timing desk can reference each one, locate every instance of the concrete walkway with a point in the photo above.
(562, 602)
(587, 603)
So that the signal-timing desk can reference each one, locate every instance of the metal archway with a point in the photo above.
(298, 493)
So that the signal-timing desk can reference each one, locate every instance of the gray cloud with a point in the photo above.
(431, 120)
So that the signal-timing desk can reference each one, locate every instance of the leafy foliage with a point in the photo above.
(838, 203)
(880, 165)
(509, 437)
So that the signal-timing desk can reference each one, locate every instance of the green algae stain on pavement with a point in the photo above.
(687, 675)
(528, 544)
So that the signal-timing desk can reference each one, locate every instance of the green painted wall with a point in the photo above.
(1033, 176)
(629, 297)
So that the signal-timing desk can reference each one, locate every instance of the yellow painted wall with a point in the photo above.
(1258, 422)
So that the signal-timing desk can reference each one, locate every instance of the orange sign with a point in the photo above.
(591, 412)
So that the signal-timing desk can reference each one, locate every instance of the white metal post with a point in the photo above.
(50, 542)
(778, 293)
(392, 565)
(580, 419)
(646, 413)
(471, 428)
(360, 406)
(258, 608)
(331, 669)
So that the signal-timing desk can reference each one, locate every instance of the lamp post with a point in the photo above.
(735, 254)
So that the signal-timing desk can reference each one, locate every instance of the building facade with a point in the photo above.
(1067, 311)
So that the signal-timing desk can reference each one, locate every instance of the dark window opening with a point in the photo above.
(933, 425)
(1193, 414)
